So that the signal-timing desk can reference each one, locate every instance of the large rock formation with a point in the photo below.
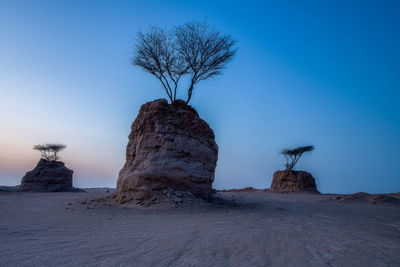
(48, 176)
(287, 181)
(170, 147)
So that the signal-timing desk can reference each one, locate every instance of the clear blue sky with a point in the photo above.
(306, 72)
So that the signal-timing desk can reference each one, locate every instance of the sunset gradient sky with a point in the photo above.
(306, 72)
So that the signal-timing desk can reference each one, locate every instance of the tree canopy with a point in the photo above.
(194, 49)
(293, 155)
(49, 151)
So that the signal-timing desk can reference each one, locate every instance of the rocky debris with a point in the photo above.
(288, 181)
(102, 202)
(178, 198)
(48, 176)
(167, 198)
(170, 147)
(371, 198)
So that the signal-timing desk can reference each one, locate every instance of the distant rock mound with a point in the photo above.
(371, 198)
(242, 190)
(288, 181)
(170, 147)
(48, 176)
(5, 188)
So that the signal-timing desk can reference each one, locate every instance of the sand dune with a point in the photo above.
(239, 229)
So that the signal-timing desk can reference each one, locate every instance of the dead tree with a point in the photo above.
(293, 155)
(193, 49)
(49, 151)
(205, 51)
(156, 53)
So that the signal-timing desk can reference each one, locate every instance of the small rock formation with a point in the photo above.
(287, 181)
(48, 176)
(170, 147)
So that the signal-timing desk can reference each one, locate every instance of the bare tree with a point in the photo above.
(44, 150)
(49, 151)
(156, 53)
(205, 51)
(193, 49)
(293, 155)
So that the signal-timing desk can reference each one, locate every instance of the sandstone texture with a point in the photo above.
(287, 181)
(48, 176)
(169, 147)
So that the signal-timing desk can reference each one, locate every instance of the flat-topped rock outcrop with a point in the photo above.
(287, 181)
(169, 147)
(48, 176)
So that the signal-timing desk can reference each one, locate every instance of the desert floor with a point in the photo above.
(239, 229)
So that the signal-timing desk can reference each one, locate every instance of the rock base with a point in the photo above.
(290, 181)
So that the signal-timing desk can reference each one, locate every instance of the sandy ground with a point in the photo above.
(240, 229)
